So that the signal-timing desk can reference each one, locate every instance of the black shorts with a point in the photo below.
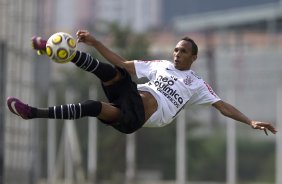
(124, 95)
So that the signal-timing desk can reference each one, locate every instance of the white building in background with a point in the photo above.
(66, 14)
(140, 15)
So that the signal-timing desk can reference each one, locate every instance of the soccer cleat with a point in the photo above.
(39, 44)
(19, 108)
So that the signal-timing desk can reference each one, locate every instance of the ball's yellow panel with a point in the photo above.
(62, 53)
(49, 51)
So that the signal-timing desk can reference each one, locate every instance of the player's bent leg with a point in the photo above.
(69, 111)
(106, 112)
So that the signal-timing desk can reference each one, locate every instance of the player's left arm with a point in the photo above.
(84, 36)
(230, 111)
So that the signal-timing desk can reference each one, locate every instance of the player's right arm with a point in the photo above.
(230, 111)
(85, 37)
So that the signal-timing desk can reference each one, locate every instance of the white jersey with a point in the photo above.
(172, 88)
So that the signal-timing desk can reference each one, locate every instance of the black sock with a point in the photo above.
(103, 71)
(33, 113)
(70, 111)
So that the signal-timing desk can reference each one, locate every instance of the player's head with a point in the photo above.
(185, 53)
(193, 44)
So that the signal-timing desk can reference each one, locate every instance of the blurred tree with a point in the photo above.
(256, 161)
(156, 151)
(206, 156)
(129, 45)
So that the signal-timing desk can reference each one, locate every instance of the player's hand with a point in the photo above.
(85, 37)
(263, 126)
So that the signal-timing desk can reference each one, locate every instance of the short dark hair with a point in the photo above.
(194, 45)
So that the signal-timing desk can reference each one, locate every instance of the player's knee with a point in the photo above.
(91, 108)
(109, 113)
(115, 79)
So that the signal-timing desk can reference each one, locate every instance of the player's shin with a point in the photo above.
(105, 72)
(71, 111)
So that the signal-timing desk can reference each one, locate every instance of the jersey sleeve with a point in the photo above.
(205, 95)
(144, 68)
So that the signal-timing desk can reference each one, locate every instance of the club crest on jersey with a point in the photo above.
(188, 80)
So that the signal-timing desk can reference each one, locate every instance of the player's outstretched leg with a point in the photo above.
(68, 111)
(39, 44)
(105, 72)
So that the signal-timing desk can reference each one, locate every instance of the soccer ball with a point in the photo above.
(61, 47)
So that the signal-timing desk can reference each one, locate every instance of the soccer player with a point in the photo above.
(156, 103)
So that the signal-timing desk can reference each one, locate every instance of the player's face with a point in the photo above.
(182, 55)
